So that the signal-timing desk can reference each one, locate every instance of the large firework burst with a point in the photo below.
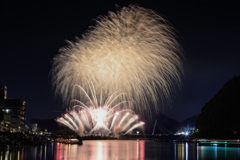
(110, 118)
(133, 51)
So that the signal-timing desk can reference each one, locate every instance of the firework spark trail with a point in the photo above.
(66, 123)
(123, 119)
(134, 126)
(76, 117)
(114, 118)
(129, 122)
(85, 119)
(133, 51)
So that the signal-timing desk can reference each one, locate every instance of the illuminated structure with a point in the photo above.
(14, 111)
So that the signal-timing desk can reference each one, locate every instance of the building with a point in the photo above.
(14, 111)
(34, 127)
(3, 92)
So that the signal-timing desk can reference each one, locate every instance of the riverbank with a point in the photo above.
(19, 140)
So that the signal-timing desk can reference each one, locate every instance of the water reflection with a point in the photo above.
(215, 152)
(30, 153)
(106, 150)
(122, 150)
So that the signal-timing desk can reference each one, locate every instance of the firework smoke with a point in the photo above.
(133, 51)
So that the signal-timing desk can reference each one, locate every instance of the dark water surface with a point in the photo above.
(122, 150)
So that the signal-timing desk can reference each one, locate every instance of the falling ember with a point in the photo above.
(133, 51)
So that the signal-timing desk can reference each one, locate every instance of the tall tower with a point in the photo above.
(3, 92)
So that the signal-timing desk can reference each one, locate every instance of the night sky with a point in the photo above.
(31, 32)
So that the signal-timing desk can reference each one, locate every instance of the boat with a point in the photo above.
(71, 141)
(79, 142)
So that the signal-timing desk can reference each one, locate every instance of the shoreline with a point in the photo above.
(201, 141)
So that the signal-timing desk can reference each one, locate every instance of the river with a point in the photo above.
(122, 150)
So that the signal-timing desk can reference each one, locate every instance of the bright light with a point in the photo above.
(186, 133)
(7, 110)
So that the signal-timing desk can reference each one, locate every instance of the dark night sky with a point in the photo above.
(32, 32)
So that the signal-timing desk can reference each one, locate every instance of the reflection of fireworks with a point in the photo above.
(133, 51)
(106, 119)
